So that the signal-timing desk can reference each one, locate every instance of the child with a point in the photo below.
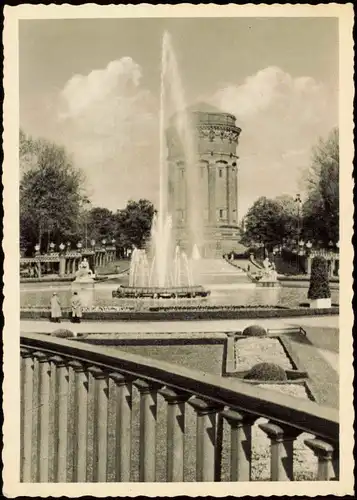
(76, 308)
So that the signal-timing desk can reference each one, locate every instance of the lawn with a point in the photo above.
(323, 378)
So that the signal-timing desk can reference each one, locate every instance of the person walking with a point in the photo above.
(56, 312)
(76, 308)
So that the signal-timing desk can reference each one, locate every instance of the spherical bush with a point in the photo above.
(62, 333)
(255, 331)
(266, 372)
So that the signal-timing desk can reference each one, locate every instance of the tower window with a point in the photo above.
(220, 172)
(221, 214)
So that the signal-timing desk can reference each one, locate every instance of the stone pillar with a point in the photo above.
(175, 433)
(62, 266)
(27, 414)
(282, 440)
(241, 444)
(80, 442)
(59, 447)
(206, 413)
(332, 268)
(212, 216)
(147, 441)
(324, 452)
(74, 266)
(123, 435)
(308, 265)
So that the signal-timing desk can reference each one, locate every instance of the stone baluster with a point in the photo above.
(80, 427)
(100, 437)
(44, 373)
(206, 412)
(241, 444)
(324, 452)
(282, 439)
(123, 424)
(175, 433)
(59, 419)
(148, 415)
(74, 266)
(27, 367)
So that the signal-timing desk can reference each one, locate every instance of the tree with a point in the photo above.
(101, 224)
(289, 215)
(265, 223)
(321, 209)
(51, 192)
(134, 223)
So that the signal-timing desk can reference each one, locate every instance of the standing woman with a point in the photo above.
(56, 312)
(76, 308)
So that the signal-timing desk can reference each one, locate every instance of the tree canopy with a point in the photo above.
(273, 221)
(321, 209)
(51, 193)
(269, 221)
(134, 223)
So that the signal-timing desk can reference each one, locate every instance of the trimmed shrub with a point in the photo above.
(266, 372)
(255, 331)
(319, 282)
(62, 333)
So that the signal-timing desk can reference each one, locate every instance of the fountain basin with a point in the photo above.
(156, 292)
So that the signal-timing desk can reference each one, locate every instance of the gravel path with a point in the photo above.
(255, 350)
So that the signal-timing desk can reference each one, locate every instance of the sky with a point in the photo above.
(93, 85)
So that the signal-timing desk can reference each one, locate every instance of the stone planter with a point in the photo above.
(320, 303)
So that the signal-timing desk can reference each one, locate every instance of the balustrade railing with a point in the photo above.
(78, 422)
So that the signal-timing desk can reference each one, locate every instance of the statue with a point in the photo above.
(269, 273)
(84, 274)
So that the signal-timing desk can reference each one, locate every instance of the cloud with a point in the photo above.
(109, 122)
(282, 118)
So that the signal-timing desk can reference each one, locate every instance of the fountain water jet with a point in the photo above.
(170, 268)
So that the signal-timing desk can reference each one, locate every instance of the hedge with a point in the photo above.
(186, 314)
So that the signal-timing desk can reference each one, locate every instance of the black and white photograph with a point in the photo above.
(177, 237)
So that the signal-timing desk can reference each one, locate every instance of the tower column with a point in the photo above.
(229, 194)
(212, 193)
(234, 188)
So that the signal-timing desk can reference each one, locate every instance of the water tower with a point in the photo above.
(213, 188)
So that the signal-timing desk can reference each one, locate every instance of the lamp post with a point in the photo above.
(79, 246)
(298, 203)
(301, 245)
(37, 249)
(308, 247)
(52, 246)
(62, 247)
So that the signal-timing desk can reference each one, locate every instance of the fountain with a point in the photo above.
(84, 275)
(269, 277)
(164, 270)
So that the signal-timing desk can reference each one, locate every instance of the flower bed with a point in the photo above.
(305, 462)
(206, 307)
(253, 350)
